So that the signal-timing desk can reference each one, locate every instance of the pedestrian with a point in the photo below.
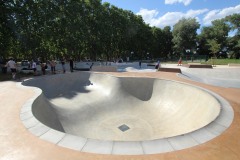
(63, 65)
(13, 67)
(71, 64)
(91, 66)
(43, 68)
(180, 61)
(140, 64)
(158, 65)
(53, 66)
(34, 67)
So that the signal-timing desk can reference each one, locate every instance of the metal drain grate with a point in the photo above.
(123, 127)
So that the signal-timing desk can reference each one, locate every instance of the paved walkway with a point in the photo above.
(18, 143)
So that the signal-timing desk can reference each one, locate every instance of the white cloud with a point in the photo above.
(218, 14)
(169, 19)
(185, 2)
(148, 15)
(153, 18)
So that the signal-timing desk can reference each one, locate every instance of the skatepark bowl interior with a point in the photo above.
(86, 107)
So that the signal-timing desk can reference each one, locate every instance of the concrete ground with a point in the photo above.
(18, 143)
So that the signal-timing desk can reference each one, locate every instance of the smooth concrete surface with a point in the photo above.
(219, 75)
(76, 136)
(104, 69)
(224, 77)
(92, 105)
(19, 143)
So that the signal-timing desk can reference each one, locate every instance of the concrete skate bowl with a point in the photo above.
(104, 107)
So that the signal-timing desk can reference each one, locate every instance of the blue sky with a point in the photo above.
(163, 13)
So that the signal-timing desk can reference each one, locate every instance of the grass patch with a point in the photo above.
(222, 61)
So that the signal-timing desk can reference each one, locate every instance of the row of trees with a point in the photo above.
(88, 28)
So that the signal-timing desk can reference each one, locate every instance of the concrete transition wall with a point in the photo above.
(96, 106)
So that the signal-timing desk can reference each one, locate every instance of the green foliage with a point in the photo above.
(88, 28)
(5, 31)
(214, 46)
(234, 46)
(161, 43)
(222, 61)
(213, 39)
(78, 29)
(234, 22)
(184, 34)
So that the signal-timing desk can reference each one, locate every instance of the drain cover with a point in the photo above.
(123, 127)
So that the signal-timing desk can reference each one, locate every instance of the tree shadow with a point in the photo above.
(66, 86)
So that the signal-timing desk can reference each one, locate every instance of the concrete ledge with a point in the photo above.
(233, 65)
(104, 69)
(197, 65)
(176, 70)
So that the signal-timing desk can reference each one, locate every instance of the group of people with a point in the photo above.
(33, 66)
(13, 67)
(53, 64)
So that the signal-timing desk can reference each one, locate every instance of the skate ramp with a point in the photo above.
(104, 107)
(224, 77)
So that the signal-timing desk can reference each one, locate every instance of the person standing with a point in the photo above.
(53, 66)
(43, 68)
(140, 64)
(158, 65)
(13, 67)
(63, 65)
(34, 67)
(180, 61)
(71, 64)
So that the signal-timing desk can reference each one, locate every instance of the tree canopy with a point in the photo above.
(184, 34)
(89, 28)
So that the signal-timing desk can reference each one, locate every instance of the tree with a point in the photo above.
(162, 42)
(167, 46)
(6, 35)
(234, 42)
(157, 42)
(214, 46)
(234, 47)
(234, 22)
(214, 36)
(184, 34)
